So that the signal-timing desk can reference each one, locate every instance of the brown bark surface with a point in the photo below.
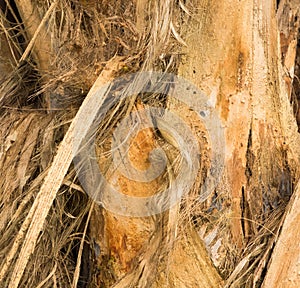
(284, 267)
(241, 54)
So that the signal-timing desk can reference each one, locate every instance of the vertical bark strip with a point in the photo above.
(284, 267)
(238, 58)
(288, 16)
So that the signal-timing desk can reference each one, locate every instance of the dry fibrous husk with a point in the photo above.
(40, 97)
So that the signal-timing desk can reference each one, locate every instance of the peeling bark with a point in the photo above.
(236, 61)
(283, 270)
(237, 57)
(232, 53)
(288, 16)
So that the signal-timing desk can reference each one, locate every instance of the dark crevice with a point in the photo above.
(249, 156)
(243, 207)
(277, 3)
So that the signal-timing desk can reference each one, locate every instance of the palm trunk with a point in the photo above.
(241, 55)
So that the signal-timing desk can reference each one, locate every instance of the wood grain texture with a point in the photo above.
(284, 267)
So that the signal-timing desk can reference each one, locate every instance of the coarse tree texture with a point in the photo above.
(241, 58)
(288, 21)
(33, 136)
(238, 62)
(288, 25)
(234, 51)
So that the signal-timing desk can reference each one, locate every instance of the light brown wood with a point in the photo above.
(284, 268)
(238, 59)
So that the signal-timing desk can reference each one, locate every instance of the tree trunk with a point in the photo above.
(234, 227)
(238, 64)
